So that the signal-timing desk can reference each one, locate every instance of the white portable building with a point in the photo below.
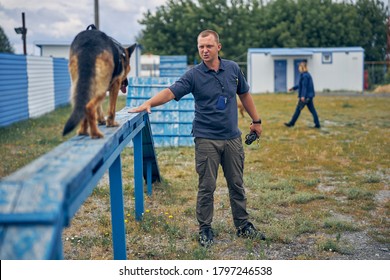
(332, 69)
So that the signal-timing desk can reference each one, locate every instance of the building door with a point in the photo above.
(280, 75)
(296, 71)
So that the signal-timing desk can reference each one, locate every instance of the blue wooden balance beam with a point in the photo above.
(40, 199)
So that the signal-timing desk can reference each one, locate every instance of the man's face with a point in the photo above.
(208, 48)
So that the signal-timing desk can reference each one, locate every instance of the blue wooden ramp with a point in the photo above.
(39, 200)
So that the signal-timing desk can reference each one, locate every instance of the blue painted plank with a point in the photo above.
(40, 198)
(28, 243)
(32, 201)
(8, 194)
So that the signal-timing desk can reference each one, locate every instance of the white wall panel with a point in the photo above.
(260, 73)
(40, 85)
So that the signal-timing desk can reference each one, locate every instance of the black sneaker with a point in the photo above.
(317, 126)
(206, 236)
(288, 124)
(249, 231)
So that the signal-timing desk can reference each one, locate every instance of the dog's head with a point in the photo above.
(128, 53)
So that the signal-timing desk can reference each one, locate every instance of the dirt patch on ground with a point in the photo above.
(357, 246)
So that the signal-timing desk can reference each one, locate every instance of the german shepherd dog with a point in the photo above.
(97, 64)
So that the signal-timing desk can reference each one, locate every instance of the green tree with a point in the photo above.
(244, 24)
(5, 46)
(170, 30)
(173, 27)
(371, 24)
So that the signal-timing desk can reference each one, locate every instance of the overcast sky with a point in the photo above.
(61, 20)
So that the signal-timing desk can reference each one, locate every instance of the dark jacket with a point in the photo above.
(305, 86)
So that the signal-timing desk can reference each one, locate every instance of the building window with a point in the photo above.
(326, 58)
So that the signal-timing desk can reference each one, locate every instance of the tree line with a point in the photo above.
(243, 24)
(5, 46)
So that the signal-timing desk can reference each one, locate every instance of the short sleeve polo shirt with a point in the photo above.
(214, 93)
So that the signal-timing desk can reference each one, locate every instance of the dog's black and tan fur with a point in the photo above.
(97, 64)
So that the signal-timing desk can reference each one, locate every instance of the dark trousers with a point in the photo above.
(310, 105)
(209, 154)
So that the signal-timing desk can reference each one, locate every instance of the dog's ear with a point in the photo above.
(131, 49)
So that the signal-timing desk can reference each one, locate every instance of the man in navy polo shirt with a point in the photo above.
(214, 84)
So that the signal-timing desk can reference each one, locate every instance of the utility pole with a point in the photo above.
(97, 14)
(388, 38)
(23, 30)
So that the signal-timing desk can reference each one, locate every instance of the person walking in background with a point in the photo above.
(306, 95)
(214, 83)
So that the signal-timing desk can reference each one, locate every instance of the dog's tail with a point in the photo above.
(80, 101)
(73, 121)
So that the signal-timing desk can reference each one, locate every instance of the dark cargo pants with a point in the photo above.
(209, 154)
(310, 105)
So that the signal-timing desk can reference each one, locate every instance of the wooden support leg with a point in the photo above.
(138, 174)
(117, 210)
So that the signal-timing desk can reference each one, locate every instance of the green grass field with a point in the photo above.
(317, 194)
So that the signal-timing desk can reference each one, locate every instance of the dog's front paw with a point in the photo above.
(102, 122)
(97, 135)
(112, 124)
